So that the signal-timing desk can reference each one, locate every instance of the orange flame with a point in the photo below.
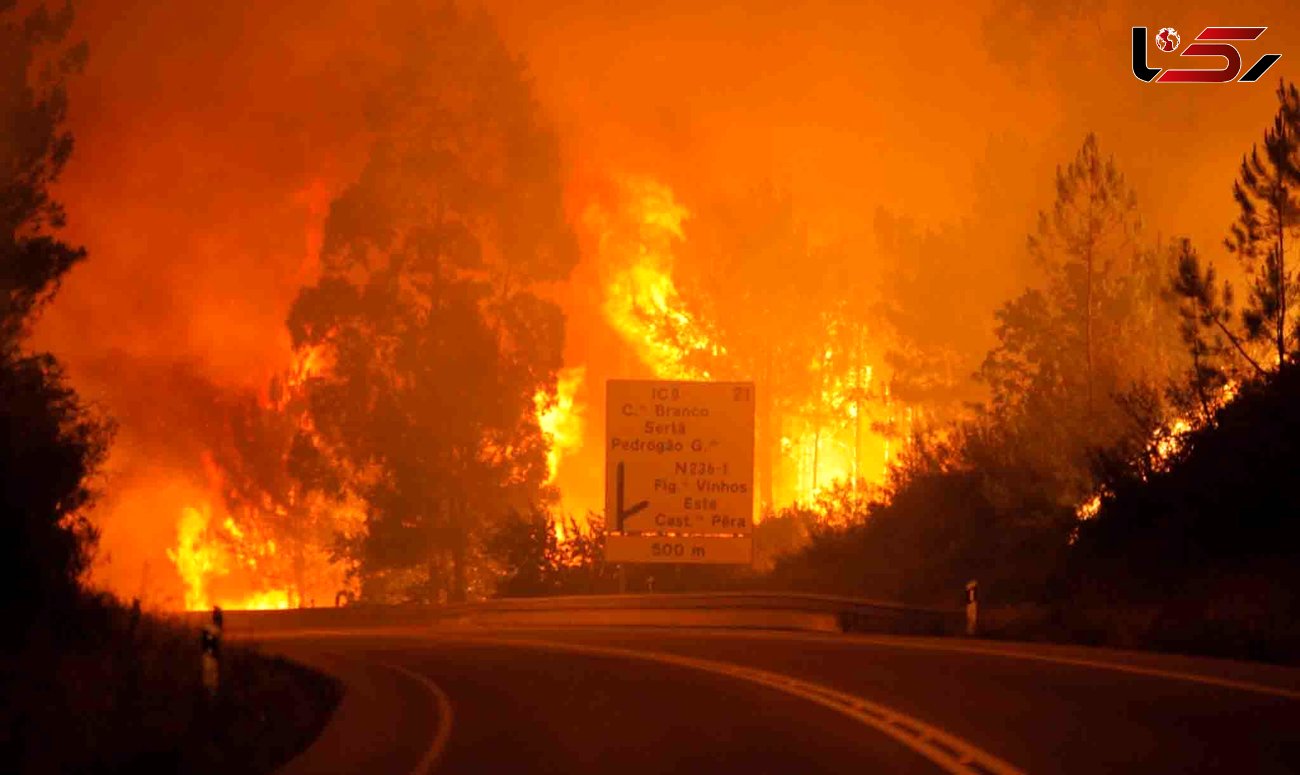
(222, 561)
(203, 555)
(828, 437)
(560, 418)
(1168, 441)
(642, 302)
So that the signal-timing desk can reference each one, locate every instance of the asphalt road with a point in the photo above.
(643, 700)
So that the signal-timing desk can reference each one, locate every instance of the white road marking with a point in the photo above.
(957, 647)
(949, 752)
(431, 755)
(1154, 672)
(1096, 664)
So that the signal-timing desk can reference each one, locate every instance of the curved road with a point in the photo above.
(643, 700)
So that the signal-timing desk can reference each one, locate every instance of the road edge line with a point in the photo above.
(905, 642)
(429, 761)
(1120, 667)
(947, 751)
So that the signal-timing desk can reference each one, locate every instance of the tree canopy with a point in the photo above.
(50, 444)
(435, 342)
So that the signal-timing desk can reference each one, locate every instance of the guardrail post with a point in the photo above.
(210, 641)
(972, 607)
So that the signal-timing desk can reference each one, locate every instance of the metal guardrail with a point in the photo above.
(727, 609)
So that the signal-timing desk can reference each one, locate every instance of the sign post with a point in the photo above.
(679, 472)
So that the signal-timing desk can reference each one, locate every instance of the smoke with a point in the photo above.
(211, 138)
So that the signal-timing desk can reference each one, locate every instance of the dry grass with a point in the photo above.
(103, 692)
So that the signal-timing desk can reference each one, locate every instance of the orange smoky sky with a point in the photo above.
(210, 138)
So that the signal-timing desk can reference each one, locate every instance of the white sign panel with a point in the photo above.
(679, 462)
(699, 550)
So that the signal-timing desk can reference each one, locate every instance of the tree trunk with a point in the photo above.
(1281, 283)
(764, 436)
(1284, 196)
(857, 437)
(459, 550)
(817, 450)
(1197, 357)
(1087, 315)
(299, 565)
(435, 584)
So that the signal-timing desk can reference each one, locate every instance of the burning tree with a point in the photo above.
(1267, 192)
(767, 292)
(437, 345)
(287, 503)
(739, 277)
(637, 238)
(737, 291)
(1205, 312)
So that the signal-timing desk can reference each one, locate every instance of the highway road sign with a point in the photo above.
(679, 462)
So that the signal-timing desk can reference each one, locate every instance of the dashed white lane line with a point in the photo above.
(945, 750)
(431, 755)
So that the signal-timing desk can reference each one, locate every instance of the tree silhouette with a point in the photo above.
(1267, 191)
(283, 495)
(436, 343)
(50, 444)
(1216, 518)
(1084, 242)
(1099, 324)
(1205, 312)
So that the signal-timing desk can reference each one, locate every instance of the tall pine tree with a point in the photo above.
(1091, 331)
(1267, 191)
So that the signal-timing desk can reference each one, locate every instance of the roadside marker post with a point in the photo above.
(972, 607)
(210, 642)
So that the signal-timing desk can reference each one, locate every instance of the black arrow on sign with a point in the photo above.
(622, 513)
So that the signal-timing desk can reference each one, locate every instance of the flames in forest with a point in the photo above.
(248, 205)
(226, 558)
(837, 430)
(207, 553)
(837, 435)
(560, 418)
(1168, 440)
(635, 244)
(222, 561)
(831, 434)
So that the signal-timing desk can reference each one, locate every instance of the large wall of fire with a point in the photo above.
(212, 137)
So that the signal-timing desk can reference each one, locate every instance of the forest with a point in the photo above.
(1100, 435)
